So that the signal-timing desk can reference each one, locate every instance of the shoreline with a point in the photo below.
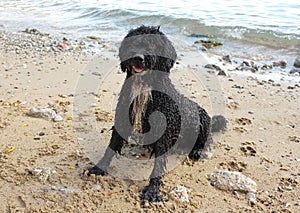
(42, 161)
(258, 64)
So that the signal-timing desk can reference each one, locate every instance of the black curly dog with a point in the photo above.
(179, 124)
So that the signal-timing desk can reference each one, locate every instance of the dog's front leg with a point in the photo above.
(152, 192)
(115, 145)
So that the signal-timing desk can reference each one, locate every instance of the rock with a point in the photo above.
(63, 46)
(45, 113)
(51, 104)
(58, 118)
(222, 72)
(213, 67)
(78, 48)
(105, 46)
(282, 64)
(41, 133)
(181, 192)
(233, 181)
(78, 153)
(266, 67)
(246, 63)
(32, 31)
(295, 70)
(96, 74)
(227, 58)
(237, 87)
(248, 66)
(297, 62)
(43, 174)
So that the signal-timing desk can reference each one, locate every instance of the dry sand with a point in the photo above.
(42, 162)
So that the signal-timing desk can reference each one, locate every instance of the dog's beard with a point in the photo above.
(140, 96)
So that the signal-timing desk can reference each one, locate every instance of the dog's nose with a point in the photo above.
(139, 57)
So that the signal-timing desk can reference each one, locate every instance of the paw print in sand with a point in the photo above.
(248, 148)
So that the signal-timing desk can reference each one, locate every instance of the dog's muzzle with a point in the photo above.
(138, 65)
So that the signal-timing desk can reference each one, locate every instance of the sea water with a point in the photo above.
(269, 28)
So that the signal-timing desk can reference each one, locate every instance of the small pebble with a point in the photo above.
(287, 188)
(227, 58)
(93, 105)
(222, 72)
(62, 96)
(58, 118)
(287, 205)
(23, 102)
(51, 104)
(146, 205)
(41, 133)
(78, 153)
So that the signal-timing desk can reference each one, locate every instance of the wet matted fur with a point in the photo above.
(147, 56)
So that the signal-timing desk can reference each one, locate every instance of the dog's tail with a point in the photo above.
(218, 123)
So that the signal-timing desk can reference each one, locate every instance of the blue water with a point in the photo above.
(271, 23)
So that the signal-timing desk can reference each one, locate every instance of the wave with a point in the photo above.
(80, 18)
(193, 27)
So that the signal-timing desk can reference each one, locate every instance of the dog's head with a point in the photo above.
(144, 49)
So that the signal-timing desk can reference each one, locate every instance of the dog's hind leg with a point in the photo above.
(151, 193)
(197, 151)
(204, 140)
(115, 146)
(204, 137)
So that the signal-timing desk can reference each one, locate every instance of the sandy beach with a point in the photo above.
(42, 162)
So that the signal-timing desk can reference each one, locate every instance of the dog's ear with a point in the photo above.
(169, 63)
(123, 66)
(158, 27)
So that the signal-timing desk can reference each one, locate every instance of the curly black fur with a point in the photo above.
(147, 56)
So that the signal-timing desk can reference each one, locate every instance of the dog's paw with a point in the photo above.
(194, 155)
(151, 194)
(200, 155)
(96, 170)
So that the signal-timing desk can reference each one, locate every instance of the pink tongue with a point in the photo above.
(136, 69)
